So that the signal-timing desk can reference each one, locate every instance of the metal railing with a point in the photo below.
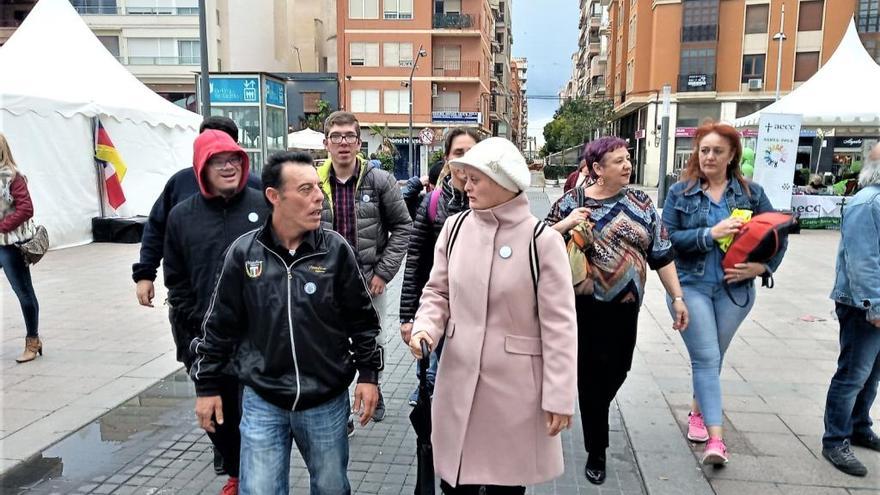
(157, 11)
(159, 60)
(453, 21)
(458, 68)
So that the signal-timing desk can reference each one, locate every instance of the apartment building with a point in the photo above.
(516, 101)
(502, 100)
(520, 67)
(158, 40)
(720, 58)
(379, 43)
(589, 62)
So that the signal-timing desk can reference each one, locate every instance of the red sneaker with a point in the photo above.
(231, 487)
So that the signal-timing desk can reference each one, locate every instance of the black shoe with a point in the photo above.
(379, 413)
(595, 468)
(842, 458)
(868, 441)
(350, 427)
(219, 470)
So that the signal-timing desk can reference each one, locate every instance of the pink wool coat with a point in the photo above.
(506, 359)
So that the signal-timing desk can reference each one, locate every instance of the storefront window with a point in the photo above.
(276, 128)
(693, 114)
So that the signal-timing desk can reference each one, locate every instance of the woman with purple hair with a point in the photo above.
(613, 233)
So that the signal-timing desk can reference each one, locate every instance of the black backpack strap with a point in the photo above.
(453, 232)
(534, 264)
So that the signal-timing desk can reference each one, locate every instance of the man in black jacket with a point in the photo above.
(292, 316)
(198, 232)
(179, 187)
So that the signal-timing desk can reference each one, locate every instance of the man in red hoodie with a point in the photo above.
(199, 230)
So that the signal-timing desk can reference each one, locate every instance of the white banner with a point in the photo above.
(775, 156)
(818, 212)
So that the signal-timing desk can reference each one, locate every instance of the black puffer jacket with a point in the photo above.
(383, 222)
(420, 254)
(294, 327)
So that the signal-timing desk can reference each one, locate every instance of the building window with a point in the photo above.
(153, 51)
(753, 67)
(398, 9)
(868, 16)
(396, 101)
(447, 57)
(757, 17)
(111, 43)
(632, 33)
(697, 70)
(805, 65)
(397, 54)
(873, 47)
(189, 52)
(364, 54)
(363, 9)
(310, 102)
(810, 15)
(630, 75)
(365, 100)
(94, 7)
(450, 7)
(744, 108)
(448, 101)
(699, 20)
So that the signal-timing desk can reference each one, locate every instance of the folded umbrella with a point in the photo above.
(420, 417)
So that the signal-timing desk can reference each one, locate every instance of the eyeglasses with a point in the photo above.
(219, 163)
(339, 138)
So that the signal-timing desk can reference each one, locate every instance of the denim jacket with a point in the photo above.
(686, 215)
(858, 257)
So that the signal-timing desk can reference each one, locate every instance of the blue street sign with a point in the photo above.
(274, 93)
(235, 90)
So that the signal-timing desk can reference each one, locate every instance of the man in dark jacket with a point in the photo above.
(199, 229)
(416, 188)
(291, 315)
(363, 203)
(180, 186)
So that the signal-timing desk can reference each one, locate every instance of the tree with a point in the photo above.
(315, 121)
(576, 121)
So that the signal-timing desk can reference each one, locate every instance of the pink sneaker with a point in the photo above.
(697, 431)
(715, 452)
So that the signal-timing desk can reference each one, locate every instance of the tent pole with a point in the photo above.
(99, 172)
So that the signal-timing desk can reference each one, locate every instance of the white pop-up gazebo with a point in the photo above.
(843, 93)
(305, 139)
(55, 78)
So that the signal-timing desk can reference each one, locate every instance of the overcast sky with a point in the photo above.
(546, 33)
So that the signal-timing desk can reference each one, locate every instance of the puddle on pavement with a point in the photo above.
(114, 439)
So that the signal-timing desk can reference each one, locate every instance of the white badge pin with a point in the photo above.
(505, 252)
(366, 198)
(253, 217)
(310, 288)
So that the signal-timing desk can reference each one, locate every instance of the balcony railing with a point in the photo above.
(453, 21)
(706, 32)
(159, 60)
(158, 11)
(458, 68)
(696, 82)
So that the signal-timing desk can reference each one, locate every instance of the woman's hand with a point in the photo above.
(726, 227)
(557, 422)
(574, 218)
(406, 332)
(414, 345)
(743, 271)
(681, 315)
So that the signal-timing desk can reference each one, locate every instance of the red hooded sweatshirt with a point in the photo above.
(209, 143)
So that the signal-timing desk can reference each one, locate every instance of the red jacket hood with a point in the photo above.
(208, 144)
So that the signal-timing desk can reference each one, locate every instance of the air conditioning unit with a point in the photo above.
(434, 90)
(755, 84)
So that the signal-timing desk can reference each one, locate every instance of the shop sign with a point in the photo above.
(775, 155)
(235, 90)
(456, 117)
(640, 134)
(404, 140)
(274, 93)
(848, 142)
(685, 131)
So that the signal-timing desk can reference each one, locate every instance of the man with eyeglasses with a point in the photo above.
(362, 202)
(198, 231)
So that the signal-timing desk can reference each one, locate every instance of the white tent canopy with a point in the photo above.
(55, 77)
(306, 139)
(843, 93)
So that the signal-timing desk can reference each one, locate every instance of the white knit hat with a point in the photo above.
(501, 161)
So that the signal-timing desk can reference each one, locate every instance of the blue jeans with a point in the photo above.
(19, 276)
(854, 385)
(714, 319)
(320, 434)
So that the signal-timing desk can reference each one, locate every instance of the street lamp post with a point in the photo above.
(204, 83)
(664, 145)
(421, 53)
(779, 38)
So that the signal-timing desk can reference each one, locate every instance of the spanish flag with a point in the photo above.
(114, 167)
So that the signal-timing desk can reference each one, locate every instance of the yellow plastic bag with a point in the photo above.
(745, 216)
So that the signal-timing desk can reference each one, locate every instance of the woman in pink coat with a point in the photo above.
(507, 379)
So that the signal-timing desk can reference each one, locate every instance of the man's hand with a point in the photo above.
(406, 332)
(145, 292)
(414, 345)
(377, 285)
(743, 271)
(207, 408)
(424, 180)
(557, 422)
(366, 396)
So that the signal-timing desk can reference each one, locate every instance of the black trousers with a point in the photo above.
(226, 437)
(481, 489)
(606, 340)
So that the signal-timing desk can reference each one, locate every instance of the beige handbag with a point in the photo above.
(34, 248)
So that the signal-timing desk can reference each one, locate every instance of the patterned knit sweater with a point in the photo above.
(629, 237)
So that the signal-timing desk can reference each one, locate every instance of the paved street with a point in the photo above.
(104, 410)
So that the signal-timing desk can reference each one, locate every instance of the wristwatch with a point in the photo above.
(678, 298)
